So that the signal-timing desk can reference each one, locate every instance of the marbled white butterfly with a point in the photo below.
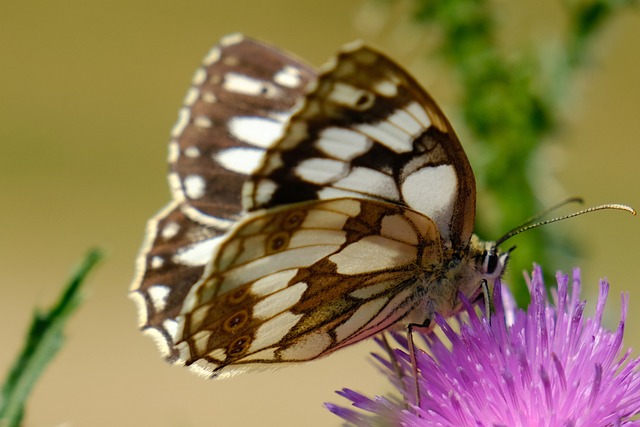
(310, 211)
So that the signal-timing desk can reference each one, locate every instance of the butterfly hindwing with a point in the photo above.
(368, 130)
(295, 283)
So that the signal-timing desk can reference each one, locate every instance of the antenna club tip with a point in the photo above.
(617, 206)
(628, 209)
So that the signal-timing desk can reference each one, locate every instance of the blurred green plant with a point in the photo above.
(510, 103)
(44, 339)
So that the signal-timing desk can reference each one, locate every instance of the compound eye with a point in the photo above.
(491, 262)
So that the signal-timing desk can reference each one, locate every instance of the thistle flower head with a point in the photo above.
(547, 366)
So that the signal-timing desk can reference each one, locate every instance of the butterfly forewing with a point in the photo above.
(235, 107)
(297, 282)
(368, 129)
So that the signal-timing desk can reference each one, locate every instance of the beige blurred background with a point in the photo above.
(88, 94)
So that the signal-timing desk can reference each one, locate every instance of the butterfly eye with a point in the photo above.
(490, 263)
(494, 262)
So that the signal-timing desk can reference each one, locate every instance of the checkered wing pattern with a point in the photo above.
(297, 282)
(237, 105)
(369, 130)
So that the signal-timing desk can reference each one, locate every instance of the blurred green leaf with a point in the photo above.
(44, 339)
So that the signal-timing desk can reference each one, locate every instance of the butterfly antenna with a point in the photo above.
(539, 215)
(528, 224)
(550, 209)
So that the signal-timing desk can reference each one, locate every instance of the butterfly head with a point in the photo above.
(493, 262)
(485, 263)
(489, 261)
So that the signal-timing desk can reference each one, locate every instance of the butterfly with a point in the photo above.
(310, 211)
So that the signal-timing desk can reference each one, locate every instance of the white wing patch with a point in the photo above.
(194, 186)
(257, 131)
(386, 88)
(198, 253)
(328, 193)
(321, 171)
(308, 347)
(397, 227)
(272, 331)
(264, 190)
(273, 282)
(365, 180)
(418, 112)
(350, 96)
(361, 317)
(157, 262)
(240, 159)
(239, 83)
(388, 135)
(170, 230)
(343, 144)
(304, 238)
(203, 122)
(276, 304)
(337, 219)
(192, 152)
(289, 77)
(405, 121)
(432, 191)
(373, 290)
(373, 253)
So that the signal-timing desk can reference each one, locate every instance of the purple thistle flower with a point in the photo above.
(548, 366)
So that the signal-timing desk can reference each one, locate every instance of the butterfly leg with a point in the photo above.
(487, 300)
(424, 327)
(394, 362)
(395, 365)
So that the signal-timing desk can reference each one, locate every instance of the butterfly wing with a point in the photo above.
(171, 260)
(368, 129)
(236, 106)
(294, 283)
